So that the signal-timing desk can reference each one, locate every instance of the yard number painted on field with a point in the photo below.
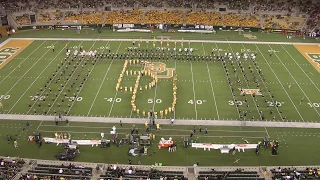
(232, 103)
(315, 57)
(34, 98)
(6, 53)
(158, 101)
(5, 97)
(197, 101)
(74, 98)
(277, 103)
(314, 105)
(112, 99)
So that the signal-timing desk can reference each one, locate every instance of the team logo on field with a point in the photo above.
(159, 68)
(315, 57)
(250, 91)
(6, 53)
(249, 36)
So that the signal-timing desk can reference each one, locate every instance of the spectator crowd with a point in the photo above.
(73, 10)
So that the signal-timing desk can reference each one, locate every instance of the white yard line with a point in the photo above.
(84, 83)
(194, 93)
(34, 103)
(295, 81)
(229, 86)
(214, 97)
(267, 132)
(28, 71)
(264, 84)
(83, 59)
(175, 71)
(234, 55)
(35, 81)
(39, 125)
(24, 59)
(301, 69)
(279, 82)
(104, 78)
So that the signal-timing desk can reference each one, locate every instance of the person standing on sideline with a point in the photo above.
(28, 125)
(15, 143)
(172, 121)
(206, 131)
(120, 123)
(52, 46)
(200, 129)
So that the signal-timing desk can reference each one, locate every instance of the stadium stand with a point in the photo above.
(63, 171)
(118, 17)
(50, 16)
(9, 167)
(169, 17)
(130, 172)
(23, 19)
(210, 18)
(86, 17)
(292, 14)
(295, 173)
(234, 174)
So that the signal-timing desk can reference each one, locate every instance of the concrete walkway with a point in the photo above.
(166, 121)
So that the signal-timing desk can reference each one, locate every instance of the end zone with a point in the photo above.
(12, 48)
(311, 53)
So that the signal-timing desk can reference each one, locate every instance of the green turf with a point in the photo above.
(203, 91)
(293, 141)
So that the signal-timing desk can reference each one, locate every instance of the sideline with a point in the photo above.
(158, 40)
(165, 121)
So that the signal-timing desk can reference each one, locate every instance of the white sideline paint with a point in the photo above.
(164, 121)
(158, 40)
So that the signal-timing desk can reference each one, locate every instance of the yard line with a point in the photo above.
(279, 82)
(264, 85)
(175, 70)
(70, 79)
(35, 79)
(267, 132)
(214, 97)
(173, 135)
(39, 125)
(104, 78)
(295, 81)
(301, 69)
(228, 85)
(234, 55)
(84, 83)
(194, 93)
(27, 71)
(115, 96)
(34, 103)
(22, 62)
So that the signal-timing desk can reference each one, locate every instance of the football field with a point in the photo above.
(280, 84)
